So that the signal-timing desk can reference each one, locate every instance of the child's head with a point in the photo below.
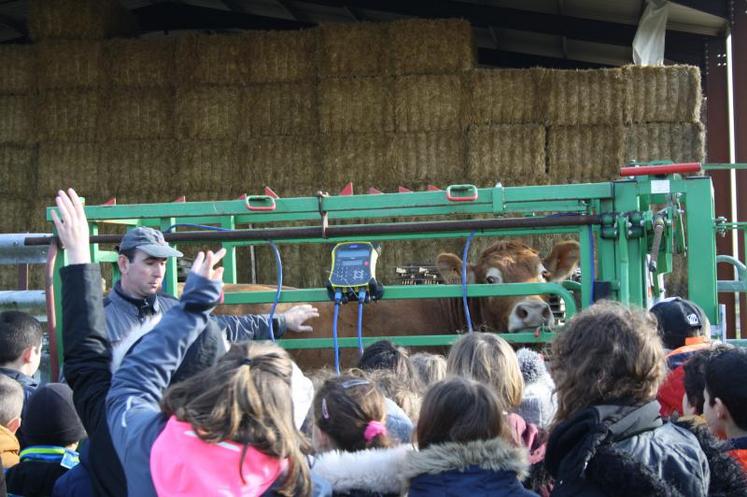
(679, 319)
(725, 392)
(429, 368)
(460, 410)
(398, 391)
(607, 353)
(694, 379)
(11, 403)
(246, 398)
(20, 341)
(50, 417)
(489, 359)
(349, 415)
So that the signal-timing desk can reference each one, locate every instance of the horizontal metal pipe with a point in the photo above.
(14, 250)
(32, 301)
(356, 229)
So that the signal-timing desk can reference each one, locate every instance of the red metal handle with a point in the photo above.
(686, 167)
(461, 188)
(260, 198)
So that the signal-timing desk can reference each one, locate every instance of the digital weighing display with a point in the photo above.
(353, 265)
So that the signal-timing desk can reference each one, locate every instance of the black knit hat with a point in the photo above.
(49, 417)
(678, 319)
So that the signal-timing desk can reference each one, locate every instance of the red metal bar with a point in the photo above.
(685, 167)
(54, 365)
(739, 79)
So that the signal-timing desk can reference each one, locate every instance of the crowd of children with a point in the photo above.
(628, 403)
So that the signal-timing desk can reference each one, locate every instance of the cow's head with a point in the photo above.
(513, 262)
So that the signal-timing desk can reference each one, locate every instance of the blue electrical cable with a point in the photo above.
(279, 264)
(361, 301)
(592, 276)
(465, 252)
(201, 226)
(338, 300)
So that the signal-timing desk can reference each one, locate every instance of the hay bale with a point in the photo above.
(141, 63)
(678, 142)
(505, 96)
(428, 103)
(69, 64)
(68, 115)
(595, 96)
(207, 113)
(366, 159)
(356, 105)
(14, 214)
(580, 154)
(206, 166)
(142, 113)
(78, 19)
(662, 94)
(212, 59)
(353, 49)
(290, 165)
(511, 154)
(429, 46)
(278, 109)
(17, 170)
(16, 119)
(281, 55)
(17, 76)
(77, 165)
(140, 167)
(423, 158)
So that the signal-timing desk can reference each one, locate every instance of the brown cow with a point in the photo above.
(503, 262)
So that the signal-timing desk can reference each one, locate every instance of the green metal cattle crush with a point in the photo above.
(628, 231)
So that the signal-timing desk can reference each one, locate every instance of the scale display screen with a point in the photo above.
(353, 264)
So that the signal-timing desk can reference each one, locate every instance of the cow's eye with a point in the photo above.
(492, 279)
(546, 275)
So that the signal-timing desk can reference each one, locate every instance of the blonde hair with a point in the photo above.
(607, 353)
(429, 368)
(246, 398)
(489, 359)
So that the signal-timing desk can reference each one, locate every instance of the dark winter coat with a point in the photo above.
(39, 469)
(483, 468)
(615, 450)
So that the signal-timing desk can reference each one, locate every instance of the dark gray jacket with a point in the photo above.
(615, 450)
(124, 314)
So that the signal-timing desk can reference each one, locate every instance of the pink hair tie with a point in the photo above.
(373, 430)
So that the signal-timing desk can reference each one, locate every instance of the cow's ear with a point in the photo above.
(562, 261)
(450, 267)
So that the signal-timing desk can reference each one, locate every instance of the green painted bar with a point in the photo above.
(407, 341)
(701, 265)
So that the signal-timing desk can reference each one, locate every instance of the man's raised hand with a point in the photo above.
(203, 264)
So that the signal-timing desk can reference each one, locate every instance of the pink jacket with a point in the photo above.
(181, 464)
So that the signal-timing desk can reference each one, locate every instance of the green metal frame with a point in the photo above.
(614, 253)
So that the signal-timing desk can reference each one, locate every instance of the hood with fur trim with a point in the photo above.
(372, 470)
(491, 455)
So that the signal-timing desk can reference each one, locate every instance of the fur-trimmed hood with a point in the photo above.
(372, 470)
(490, 455)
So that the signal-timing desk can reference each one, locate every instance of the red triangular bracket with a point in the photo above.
(402, 189)
(374, 191)
(243, 196)
(347, 190)
(111, 201)
(432, 188)
(270, 193)
(183, 198)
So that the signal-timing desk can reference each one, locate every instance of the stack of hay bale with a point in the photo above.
(380, 104)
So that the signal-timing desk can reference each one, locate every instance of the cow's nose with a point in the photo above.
(530, 314)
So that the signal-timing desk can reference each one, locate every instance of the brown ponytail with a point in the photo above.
(246, 398)
(345, 407)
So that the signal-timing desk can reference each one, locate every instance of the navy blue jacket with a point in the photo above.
(483, 468)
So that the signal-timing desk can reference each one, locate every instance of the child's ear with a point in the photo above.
(27, 354)
(721, 410)
(14, 424)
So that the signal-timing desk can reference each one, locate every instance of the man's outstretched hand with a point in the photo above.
(72, 226)
(296, 316)
(204, 264)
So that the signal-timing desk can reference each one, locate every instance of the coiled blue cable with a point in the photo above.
(279, 265)
(465, 253)
(336, 345)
